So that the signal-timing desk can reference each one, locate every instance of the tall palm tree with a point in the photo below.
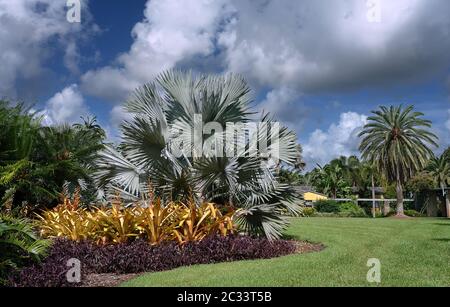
(439, 168)
(396, 140)
(164, 114)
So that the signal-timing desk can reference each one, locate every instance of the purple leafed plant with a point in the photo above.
(138, 256)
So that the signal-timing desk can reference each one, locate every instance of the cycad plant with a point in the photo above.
(37, 161)
(19, 245)
(397, 141)
(161, 148)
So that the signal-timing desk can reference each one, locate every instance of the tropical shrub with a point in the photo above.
(331, 179)
(139, 256)
(37, 161)
(194, 223)
(327, 206)
(330, 208)
(414, 213)
(351, 209)
(155, 223)
(308, 212)
(163, 115)
(19, 246)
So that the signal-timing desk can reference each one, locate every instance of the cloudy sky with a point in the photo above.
(320, 66)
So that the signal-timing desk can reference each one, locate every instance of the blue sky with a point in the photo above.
(320, 66)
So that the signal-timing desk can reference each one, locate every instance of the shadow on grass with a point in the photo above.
(442, 240)
(442, 224)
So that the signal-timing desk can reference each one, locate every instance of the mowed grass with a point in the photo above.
(413, 252)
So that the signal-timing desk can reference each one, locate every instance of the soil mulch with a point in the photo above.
(106, 280)
(114, 280)
(303, 247)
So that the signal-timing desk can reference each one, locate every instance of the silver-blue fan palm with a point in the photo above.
(164, 115)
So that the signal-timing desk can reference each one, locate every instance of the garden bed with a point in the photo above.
(110, 265)
(113, 280)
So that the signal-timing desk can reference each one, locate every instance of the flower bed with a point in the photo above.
(138, 256)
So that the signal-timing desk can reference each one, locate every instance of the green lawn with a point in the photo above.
(412, 252)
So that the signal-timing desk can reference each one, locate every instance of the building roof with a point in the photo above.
(301, 189)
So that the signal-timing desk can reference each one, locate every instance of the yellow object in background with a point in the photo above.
(313, 197)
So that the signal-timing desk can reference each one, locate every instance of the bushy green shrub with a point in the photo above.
(327, 206)
(414, 213)
(331, 208)
(351, 209)
(308, 212)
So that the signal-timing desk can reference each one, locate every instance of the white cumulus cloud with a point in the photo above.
(26, 28)
(66, 106)
(318, 45)
(340, 139)
(172, 31)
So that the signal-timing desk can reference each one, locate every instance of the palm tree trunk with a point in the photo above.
(447, 203)
(400, 208)
(373, 198)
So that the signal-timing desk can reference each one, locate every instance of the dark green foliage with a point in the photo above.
(351, 209)
(36, 161)
(331, 208)
(344, 177)
(327, 206)
(19, 246)
(421, 182)
(330, 180)
(291, 177)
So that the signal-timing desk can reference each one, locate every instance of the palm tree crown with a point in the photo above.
(439, 168)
